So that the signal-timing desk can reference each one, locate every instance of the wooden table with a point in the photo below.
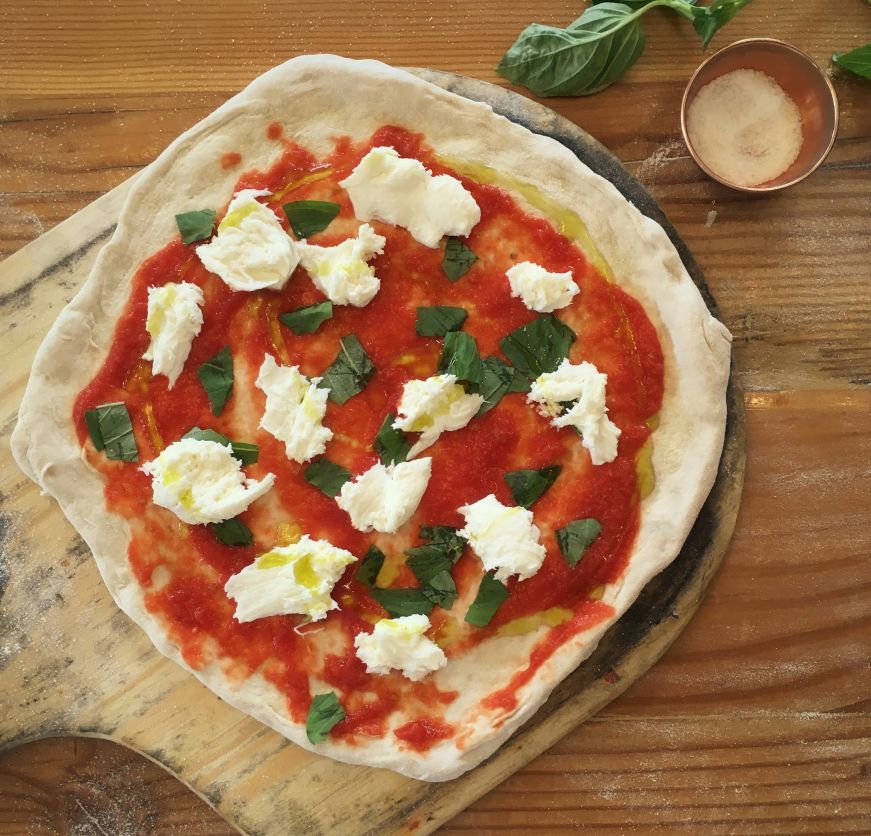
(757, 720)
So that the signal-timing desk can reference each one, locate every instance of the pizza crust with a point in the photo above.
(316, 98)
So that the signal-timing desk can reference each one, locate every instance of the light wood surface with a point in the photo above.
(757, 720)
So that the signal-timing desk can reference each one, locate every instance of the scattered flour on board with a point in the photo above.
(712, 216)
(649, 168)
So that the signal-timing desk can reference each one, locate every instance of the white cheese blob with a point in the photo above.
(289, 579)
(539, 289)
(251, 250)
(174, 319)
(432, 406)
(504, 537)
(585, 384)
(400, 643)
(341, 272)
(400, 191)
(202, 482)
(384, 498)
(295, 409)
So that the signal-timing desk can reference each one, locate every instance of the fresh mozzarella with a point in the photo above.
(341, 272)
(585, 384)
(433, 406)
(539, 289)
(295, 409)
(400, 191)
(504, 537)
(400, 643)
(251, 250)
(384, 498)
(174, 319)
(201, 481)
(289, 579)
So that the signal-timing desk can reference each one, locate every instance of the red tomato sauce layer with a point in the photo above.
(182, 569)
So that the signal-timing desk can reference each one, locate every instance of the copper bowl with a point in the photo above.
(801, 79)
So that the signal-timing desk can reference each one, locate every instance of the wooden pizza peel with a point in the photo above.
(71, 663)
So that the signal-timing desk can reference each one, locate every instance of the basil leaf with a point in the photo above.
(436, 321)
(392, 445)
(399, 602)
(497, 380)
(539, 346)
(444, 538)
(328, 477)
(460, 357)
(307, 320)
(857, 61)
(491, 594)
(369, 566)
(528, 485)
(310, 216)
(111, 431)
(707, 20)
(246, 453)
(324, 712)
(232, 532)
(458, 259)
(216, 375)
(441, 590)
(195, 226)
(349, 372)
(576, 537)
(433, 570)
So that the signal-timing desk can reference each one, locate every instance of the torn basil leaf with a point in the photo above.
(526, 486)
(216, 375)
(458, 259)
(433, 570)
(232, 532)
(369, 566)
(111, 431)
(491, 594)
(576, 537)
(246, 453)
(328, 477)
(399, 602)
(310, 216)
(539, 346)
(392, 445)
(460, 357)
(497, 380)
(438, 320)
(350, 371)
(324, 712)
(307, 320)
(195, 226)
(445, 538)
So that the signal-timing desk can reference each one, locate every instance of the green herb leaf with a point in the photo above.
(445, 538)
(350, 371)
(369, 566)
(707, 20)
(539, 346)
(497, 380)
(307, 320)
(195, 226)
(491, 594)
(528, 485)
(328, 477)
(245, 452)
(399, 602)
(441, 590)
(232, 532)
(392, 445)
(436, 321)
(310, 216)
(460, 357)
(857, 61)
(111, 431)
(458, 259)
(324, 712)
(433, 570)
(216, 375)
(576, 537)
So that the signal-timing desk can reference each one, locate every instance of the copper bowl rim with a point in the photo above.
(777, 186)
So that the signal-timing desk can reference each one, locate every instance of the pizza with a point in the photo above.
(376, 411)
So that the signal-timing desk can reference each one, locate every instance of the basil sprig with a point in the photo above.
(497, 380)
(369, 566)
(391, 444)
(457, 259)
(324, 713)
(327, 476)
(242, 450)
(399, 602)
(595, 50)
(111, 431)
(437, 320)
(460, 357)
(232, 532)
(307, 320)
(491, 594)
(527, 486)
(576, 537)
(857, 61)
(216, 375)
(350, 371)
(310, 216)
(195, 226)
(539, 346)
